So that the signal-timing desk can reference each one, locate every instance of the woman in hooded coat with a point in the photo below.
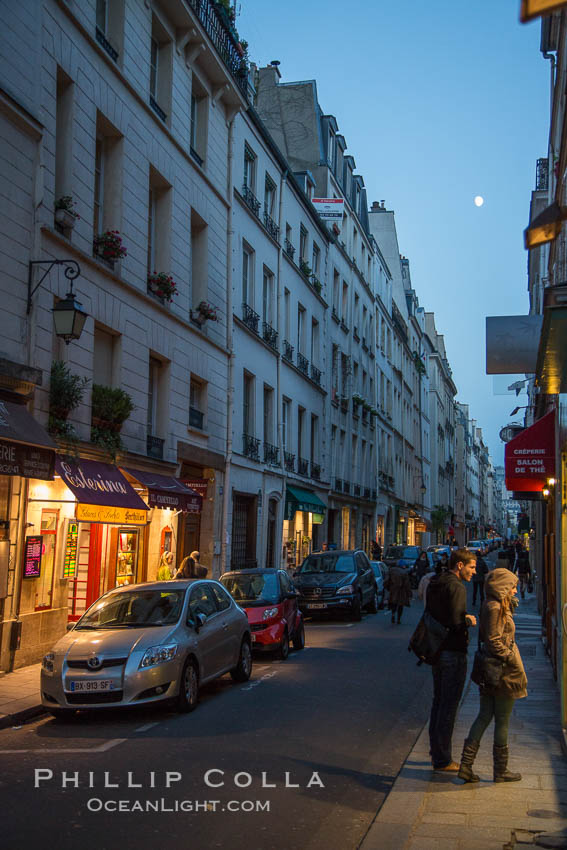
(497, 632)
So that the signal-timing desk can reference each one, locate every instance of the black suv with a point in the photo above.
(340, 580)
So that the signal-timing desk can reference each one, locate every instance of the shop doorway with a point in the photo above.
(189, 535)
(271, 535)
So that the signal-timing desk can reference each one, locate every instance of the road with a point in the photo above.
(337, 719)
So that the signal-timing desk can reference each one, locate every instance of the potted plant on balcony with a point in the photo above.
(318, 286)
(357, 399)
(66, 392)
(304, 267)
(65, 214)
(111, 407)
(162, 285)
(204, 312)
(108, 245)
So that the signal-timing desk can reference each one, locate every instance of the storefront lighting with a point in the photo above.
(545, 492)
(551, 481)
(68, 316)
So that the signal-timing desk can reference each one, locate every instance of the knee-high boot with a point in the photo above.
(501, 772)
(470, 749)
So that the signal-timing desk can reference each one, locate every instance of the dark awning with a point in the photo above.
(166, 492)
(297, 499)
(25, 446)
(95, 483)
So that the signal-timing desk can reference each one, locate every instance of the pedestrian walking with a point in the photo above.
(399, 589)
(421, 567)
(424, 583)
(503, 560)
(446, 602)
(478, 579)
(524, 572)
(497, 632)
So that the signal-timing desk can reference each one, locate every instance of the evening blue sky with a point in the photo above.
(438, 101)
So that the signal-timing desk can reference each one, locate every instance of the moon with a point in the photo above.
(478, 201)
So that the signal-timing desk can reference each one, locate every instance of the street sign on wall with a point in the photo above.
(530, 457)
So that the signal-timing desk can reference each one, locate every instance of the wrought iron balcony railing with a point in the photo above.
(315, 471)
(315, 374)
(289, 461)
(346, 486)
(251, 446)
(287, 351)
(339, 485)
(303, 466)
(271, 454)
(195, 418)
(106, 45)
(250, 318)
(289, 249)
(154, 447)
(214, 21)
(271, 226)
(302, 364)
(252, 201)
(157, 108)
(270, 335)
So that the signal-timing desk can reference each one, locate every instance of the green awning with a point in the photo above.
(297, 499)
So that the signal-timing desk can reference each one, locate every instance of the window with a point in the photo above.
(159, 229)
(336, 286)
(300, 329)
(314, 439)
(110, 26)
(98, 188)
(288, 234)
(314, 341)
(197, 402)
(302, 243)
(268, 414)
(105, 357)
(44, 586)
(153, 394)
(248, 405)
(222, 598)
(199, 119)
(161, 56)
(268, 296)
(356, 315)
(108, 177)
(344, 314)
(201, 601)
(199, 259)
(269, 196)
(247, 275)
(287, 314)
(300, 429)
(286, 422)
(335, 368)
(332, 151)
(64, 136)
(249, 168)
(315, 261)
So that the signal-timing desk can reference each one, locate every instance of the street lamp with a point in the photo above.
(545, 227)
(68, 316)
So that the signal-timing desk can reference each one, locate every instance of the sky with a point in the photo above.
(438, 102)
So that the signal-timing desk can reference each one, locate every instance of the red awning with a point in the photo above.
(166, 492)
(530, 457)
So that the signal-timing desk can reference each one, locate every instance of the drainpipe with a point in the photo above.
(283, 182)
(229, 346)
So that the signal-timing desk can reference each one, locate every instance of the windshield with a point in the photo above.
(253, 588)
(394, 551)
(134, 609)
(328, 563)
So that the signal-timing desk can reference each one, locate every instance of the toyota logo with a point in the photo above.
(94, 663)
(317, 591)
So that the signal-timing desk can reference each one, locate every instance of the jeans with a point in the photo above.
(449, 675)
(478, 586)
(498, 707)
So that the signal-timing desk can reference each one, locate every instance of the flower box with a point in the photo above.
(162, 286)
(108, 246)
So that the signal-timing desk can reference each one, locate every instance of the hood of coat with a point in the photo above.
(499, 583)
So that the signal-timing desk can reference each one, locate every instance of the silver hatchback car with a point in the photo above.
(146, 643)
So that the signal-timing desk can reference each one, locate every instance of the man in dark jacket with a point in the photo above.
(446, 602)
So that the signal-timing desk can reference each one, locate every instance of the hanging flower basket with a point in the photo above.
(162, 285)
(108, 245)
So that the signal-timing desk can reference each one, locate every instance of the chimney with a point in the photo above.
(377, 206)
(270, 75)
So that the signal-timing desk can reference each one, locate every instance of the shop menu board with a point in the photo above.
(70, 560)
(32, 556)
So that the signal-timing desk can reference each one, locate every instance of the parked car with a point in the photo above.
(476, 546)
(339, 580)
(380, 571)
(407, 554)
(270, 602)
(145, 643)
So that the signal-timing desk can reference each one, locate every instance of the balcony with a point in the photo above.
(270, 335)
(339, 485)
(195, 418)
(215, 24)
(346, 486)
(315, 471)
(271, 454)
(335, 315)
(154, 447)
(316, 374)
(289, 462)
(367, 492)
(287, 351)
(303, 466)
(251, 200)
(356, 490)
(271, 226)
(303, 364)
(106, 45)
(250, 318)
(289, 249)
(251, 447)
(157, 108)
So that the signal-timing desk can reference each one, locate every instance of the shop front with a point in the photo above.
(302, 528)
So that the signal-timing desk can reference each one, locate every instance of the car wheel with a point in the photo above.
(373, 604)
(299, 638)
(283, 651)
(188, 687)
(356, 610)
(243, 669)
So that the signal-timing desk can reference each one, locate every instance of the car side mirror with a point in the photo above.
(70, 627)
(200, 620)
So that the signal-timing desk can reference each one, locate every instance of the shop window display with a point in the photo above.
(127, 556)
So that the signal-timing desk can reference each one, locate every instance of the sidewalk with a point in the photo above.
(425, 810)
(19, 695)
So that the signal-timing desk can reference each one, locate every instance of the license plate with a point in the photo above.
(92, 685)
(253, 638)
(317, 605)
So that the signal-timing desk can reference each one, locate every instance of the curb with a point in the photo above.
(19, 717)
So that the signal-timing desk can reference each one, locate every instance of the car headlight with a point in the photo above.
(348, 588)
(269, 613)
(158, 655)
(47, 662)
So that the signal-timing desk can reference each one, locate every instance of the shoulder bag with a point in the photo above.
(487, 669)
(427, 639)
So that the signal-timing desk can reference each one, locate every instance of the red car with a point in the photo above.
(270, 602)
